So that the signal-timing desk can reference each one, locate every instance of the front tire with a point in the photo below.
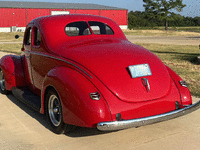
(2, 83)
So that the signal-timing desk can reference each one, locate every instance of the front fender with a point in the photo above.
(184, 91)
(73, 89)
(11, 66)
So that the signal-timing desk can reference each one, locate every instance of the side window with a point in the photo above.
(100, 28)
(28, 37)
(77, 28)
(37, 37)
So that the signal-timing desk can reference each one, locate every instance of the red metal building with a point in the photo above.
(15, 15)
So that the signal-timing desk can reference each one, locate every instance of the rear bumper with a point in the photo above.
(124, 124)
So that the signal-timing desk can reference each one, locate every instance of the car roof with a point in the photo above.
(52, 27)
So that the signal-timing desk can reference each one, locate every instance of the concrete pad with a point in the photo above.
(23, 128)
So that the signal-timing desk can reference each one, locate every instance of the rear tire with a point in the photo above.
(2, 84)
(54, 113)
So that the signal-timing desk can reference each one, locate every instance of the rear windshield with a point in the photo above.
(100, 28)
(82, 28)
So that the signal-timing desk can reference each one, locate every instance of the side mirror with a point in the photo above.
(16, 36)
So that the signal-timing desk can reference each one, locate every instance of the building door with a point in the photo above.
(59, 12)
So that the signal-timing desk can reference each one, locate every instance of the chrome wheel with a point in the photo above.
(54, 110)
(2, 81)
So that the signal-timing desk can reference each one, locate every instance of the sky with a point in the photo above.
(192, 8)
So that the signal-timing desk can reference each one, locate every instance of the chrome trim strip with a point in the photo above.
(63, 61)
(124, 124)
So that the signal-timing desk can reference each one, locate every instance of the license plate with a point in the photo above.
(140, 70)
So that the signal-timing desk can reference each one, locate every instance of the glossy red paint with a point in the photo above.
(76, 66)
(184, 91)
(13, 71)
(74, 88)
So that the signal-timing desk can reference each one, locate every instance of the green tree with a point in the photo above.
(197, 21)
(176, 20)
(137, 19)
(161, 8)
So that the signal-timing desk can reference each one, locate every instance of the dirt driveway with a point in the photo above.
(23, 128)
(176, 40)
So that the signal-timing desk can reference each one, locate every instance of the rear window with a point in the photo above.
(81, 28)
(77, 28)
(100, 28)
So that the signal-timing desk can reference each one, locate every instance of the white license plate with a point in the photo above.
(140, 70)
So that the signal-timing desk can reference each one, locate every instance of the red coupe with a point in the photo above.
(80, 70)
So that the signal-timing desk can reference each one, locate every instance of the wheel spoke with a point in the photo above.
(54, 110)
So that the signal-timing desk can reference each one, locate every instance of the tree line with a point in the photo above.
(157, 13)
(144, 19)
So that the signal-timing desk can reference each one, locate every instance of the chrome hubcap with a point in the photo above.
(2, 81)
(54, 110)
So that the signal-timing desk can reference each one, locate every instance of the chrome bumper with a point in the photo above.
(119, 125)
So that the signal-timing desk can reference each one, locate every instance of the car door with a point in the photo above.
(37, 60)
(27, 57)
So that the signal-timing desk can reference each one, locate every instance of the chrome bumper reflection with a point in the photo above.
(118, 125)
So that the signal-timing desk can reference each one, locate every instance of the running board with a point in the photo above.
(26, 96)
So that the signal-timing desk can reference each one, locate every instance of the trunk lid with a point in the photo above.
(109, 60)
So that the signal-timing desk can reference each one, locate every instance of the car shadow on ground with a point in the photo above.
(83, 132)
(79, 132)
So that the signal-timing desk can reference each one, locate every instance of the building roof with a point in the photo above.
(47, 5)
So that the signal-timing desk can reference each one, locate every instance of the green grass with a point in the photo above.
(181, 59)
(190, 29)
(160, 33)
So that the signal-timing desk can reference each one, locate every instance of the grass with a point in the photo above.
(181, 60)
(190, 29)
(159, 33)
(10, 36)
(11, 48)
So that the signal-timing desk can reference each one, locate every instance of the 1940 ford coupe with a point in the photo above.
(80, 70)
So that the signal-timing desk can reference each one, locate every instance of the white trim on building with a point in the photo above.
(123, 26)
(59, 12)
(12, 29)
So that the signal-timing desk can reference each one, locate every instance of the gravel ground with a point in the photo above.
(176, 40)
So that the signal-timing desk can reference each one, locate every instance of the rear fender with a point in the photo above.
(11, 66)
(73, 89)
(184, 91)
